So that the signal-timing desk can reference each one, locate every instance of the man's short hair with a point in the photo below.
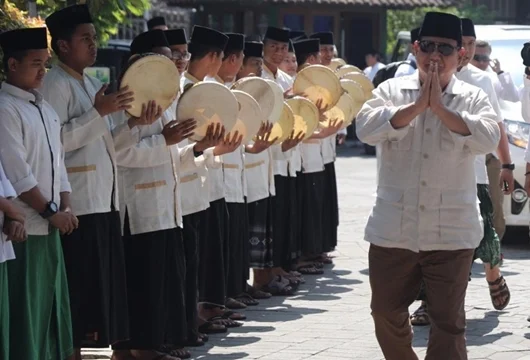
(302, 58)
(199, 51)
(483, 44)
(17, 55)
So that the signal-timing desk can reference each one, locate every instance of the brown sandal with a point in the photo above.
(501, 292)
(420, 317)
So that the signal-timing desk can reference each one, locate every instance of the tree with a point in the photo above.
(107, 14)
(406, 20)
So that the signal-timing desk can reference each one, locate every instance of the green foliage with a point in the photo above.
(406, 20)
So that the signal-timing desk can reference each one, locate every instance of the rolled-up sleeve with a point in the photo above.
(482, 123)
(7, 188)
(123, 136)
(373, 121)
(65, 184)
(13, 152)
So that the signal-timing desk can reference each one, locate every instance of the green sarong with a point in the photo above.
(489, 250)
(4, 312)
(39, 300)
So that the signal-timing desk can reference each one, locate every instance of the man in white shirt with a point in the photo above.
(373, 64)
(504, 86)
(32, 155)
(178, 43)
(93, 253)
(426, 222)
(289, 64)
(11, 229)
(329, 155)
(203, 193)
(286, 163)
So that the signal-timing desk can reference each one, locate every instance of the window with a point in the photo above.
(322, 23)
(213, 21)
(293, 21)
(228, 23)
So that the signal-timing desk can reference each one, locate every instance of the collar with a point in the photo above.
(70, 71)
(266, 68)
(33, 95)
(190, 77)
(412, 82)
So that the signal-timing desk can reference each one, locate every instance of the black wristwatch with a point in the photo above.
(508, 166)
(51, 209)
(197, 153)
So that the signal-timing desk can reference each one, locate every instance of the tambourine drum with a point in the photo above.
(346, 69)
(151, 77)
(278, 101)
(357, 95)
(344, 111)
(283, 128)
(336, 63)
(363, 81)
(208, 103)
(261, 91)
(249, 118)
(318, 82)
(306, 116)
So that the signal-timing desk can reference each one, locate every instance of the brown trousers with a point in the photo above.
(395, 278)
(497, 196)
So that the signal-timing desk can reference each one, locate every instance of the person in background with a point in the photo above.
(410, 66)
(426, 224)
(504, 86)
(178, 43)
(33, 159)
(289, 64)
(157, 23)
(373, 64)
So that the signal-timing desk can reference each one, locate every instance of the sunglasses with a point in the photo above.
(430, 47)
(481, 58)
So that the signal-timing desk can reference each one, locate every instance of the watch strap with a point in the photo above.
(508, 166)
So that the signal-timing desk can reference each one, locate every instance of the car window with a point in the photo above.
(401, 51)
(509, 54)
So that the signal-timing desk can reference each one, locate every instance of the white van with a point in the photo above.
(507, 42)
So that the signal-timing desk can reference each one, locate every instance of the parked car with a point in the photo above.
(506, 42)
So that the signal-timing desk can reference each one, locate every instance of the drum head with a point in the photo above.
(261, 91)
(363, 81)
(346, 69)
(278, 101)
(306, 116)
(208, 103)
(336, 63)
(283, 128)
(318, 82)
(151, 77)
(344, 111)
(249, 118)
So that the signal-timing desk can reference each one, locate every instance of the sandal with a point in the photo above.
(204, 337)
(247, 299)
(279, 289)
(210, 328)
(420, 317)
(227, 323)
(233, 316)
(499, 293)
(309, 270)
(234, 304)
(195, 342)
(175, 352)
(258, 294)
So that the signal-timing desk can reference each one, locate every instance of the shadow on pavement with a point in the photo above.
(240, 355)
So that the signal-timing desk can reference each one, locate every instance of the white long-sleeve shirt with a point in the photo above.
(31, 150)
(6, 191)
(476, 77)
(90, 141)
(427, 193)
(504, 85)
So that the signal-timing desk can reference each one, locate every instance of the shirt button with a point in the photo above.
(425, 156)
(428, 131)
(424, 183)
(422, 208)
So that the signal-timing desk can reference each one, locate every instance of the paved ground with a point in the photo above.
(330, 317)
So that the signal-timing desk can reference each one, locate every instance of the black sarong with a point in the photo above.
(95, 267)
(331, 208)
(190, 234)
(213, 238)
(312, 213)
(155, 284)
(237, 262)
(260, 234)
(284, 209)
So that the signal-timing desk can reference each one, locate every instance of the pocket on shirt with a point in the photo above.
(386, 218)
(150, 198)
(459, 216)
(404, 144)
